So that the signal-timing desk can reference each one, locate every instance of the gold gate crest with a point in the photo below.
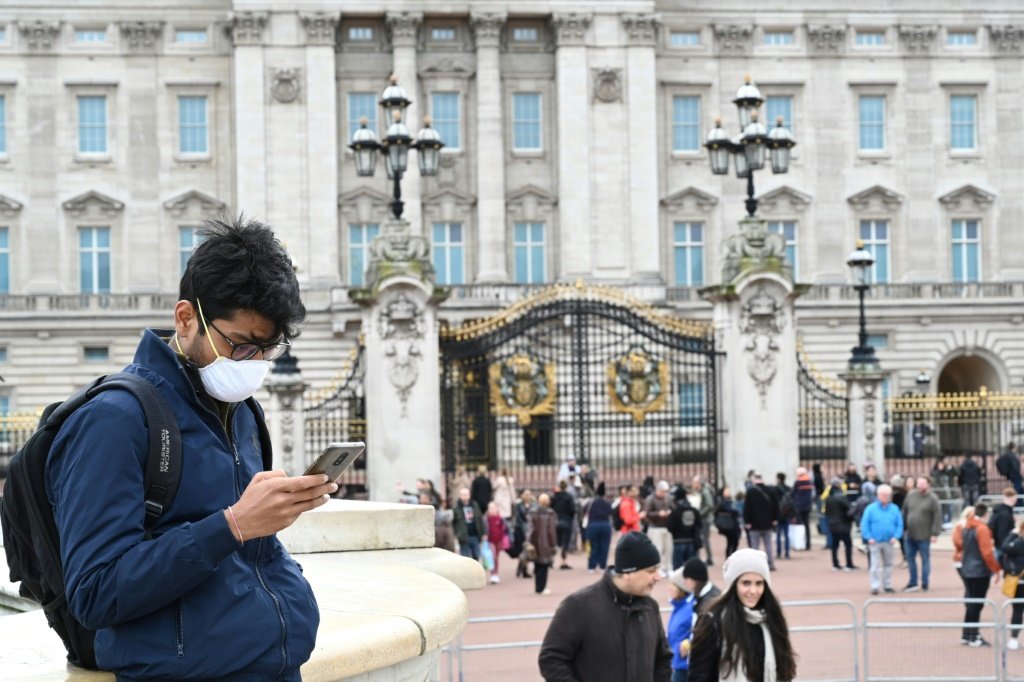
(637, 383)
(523, 386)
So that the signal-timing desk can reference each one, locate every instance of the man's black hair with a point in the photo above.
(242, 266)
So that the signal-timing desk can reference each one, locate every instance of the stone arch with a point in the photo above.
(966, 370)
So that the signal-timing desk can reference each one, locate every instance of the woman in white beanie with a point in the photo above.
(744, 635)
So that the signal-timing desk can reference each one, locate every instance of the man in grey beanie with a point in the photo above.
(611, 630)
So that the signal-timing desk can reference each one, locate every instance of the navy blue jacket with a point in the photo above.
(191, 602)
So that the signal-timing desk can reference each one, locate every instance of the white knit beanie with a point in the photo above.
(745, 561)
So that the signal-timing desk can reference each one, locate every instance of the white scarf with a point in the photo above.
(770, 674)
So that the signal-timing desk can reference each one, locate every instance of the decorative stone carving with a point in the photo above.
(246, 28)
(1007, 39)
(404, 27)
(321, 27)
(641, 29)
(607, 85)
(761, 321)
(401, 327)
(142, 36)
(967, 196)
(754, 247)
(781, 197)
(530, 202)
(207, 205)
(870, 388)
(78, 205)
(690, 199)
(885, 196)
(826, 38)
(487, 28)
(734, 39)
(434, 65)
(286, 84)
(396, 251)
(917, 38)
(9, 206)
(39, 35)
(570, 28)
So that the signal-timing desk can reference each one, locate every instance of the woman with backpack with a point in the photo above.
(598, 529)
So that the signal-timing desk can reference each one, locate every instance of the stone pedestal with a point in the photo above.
(754, 328)
(866, 439)
(284, 416)
(403, 436)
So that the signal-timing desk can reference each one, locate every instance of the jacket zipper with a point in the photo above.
(179, 631)
(277, 605)
(230, 433)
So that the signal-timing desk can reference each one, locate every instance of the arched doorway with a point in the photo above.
(966, 422)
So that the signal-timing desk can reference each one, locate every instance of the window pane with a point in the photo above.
(445, 108)
(696, 266)
(872, 122)
(962, 116)
(190, 36)
(686, 123)
(90, 36)
(445, 34)
(3, 124)
(778, 38)
(537, 232)
(456, 260)
(524, 34)
(520, 232)
(870, 38)
(973, 262)
(958, 262)
(537, 264)
(5, 262)
(776, 106)
(192, 123)
(361, 104)
(962, 38)
(96, 353)
(526, 120)
(684, 38)
(360, 33)
(522, 265)
(92, 124)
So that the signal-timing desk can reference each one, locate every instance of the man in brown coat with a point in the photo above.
(611, 631)
(544, 541)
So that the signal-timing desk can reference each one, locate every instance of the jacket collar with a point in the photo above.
(159, 358)
(618, 596)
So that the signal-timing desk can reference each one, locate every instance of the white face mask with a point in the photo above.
(230, 381)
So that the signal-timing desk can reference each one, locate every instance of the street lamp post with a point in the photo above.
(752, 145)
(860, 262)
(396, 145)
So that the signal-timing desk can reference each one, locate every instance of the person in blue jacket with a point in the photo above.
(680, 625)
(212, 594)
(882, 527)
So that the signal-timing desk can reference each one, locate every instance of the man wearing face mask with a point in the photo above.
(212, 593)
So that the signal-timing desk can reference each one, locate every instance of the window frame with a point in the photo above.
(883, 124)
(207, 142)
(697, 126)
(5, 259)
(688, 245)
(182, 258)
(530, 245)
(190, 44)
(870, 32)
(794, 261)
(362, 247)
(87, 347)
(975, 150)
(374, 123)
(448, 245)
(96, 251)
(964, 242)
(873, 241)
(78, 33)
(539, 94)
(437, 122)
(5, 102)
(778, 31)
(954, 44)
(106, 153)
(697, 33)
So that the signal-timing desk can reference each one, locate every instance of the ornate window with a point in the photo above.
(876, 235)
(445, 110)
(872, 123)
(193, 125)
(94, 259)
(530, 250)
(686, 128)
(963, 122)
(448, 246)
(92, 124)
(527, 118)
(966, 250)
(688, 253)
(360, 235)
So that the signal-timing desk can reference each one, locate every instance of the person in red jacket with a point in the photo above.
(629, 511)
(973, 541)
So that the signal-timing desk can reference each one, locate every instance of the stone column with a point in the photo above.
(404, 27)
(250, 129)
(403, 409)
(321, 233)
(755, 328)
(866, 443)
(284, 416)
(642, 102)
(573, 144)
(490, 149)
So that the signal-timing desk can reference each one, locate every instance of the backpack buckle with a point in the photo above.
(154, 509)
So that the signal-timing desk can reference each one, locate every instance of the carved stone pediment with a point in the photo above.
(107, 206)
(878, 195)
(452, 196)
(689, 199)
(784, 198)
(918, 38)
(178, 205)
(734, 38)
(9, 206)
(1007, 39)
(363, 194)
(826, 38)
(530, 201)
(246, 28)
(142, 36)
(39, 35)
(446, 65)
(966, 197)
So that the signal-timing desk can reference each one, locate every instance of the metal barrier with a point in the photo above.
(1012, 664)
(817, 662)
(894, 650)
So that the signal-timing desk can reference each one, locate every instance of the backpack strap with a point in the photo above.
(163, 464)
(266, 447)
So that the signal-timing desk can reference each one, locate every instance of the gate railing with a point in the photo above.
(339, 414)
(823, 416)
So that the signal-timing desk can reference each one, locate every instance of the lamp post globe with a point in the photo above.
(364, 148)
(719, 148)
(748, 100)
(428, 148)
(923, 381)
(860, 262)
(780, 142)
(394, 100)
(754, 138)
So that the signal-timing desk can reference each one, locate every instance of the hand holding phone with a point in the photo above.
(336, 460)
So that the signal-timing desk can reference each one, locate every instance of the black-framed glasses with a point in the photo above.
(248, 350)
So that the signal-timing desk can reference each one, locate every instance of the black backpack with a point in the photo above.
(31, 540)
(1003, 465)
(616, 517)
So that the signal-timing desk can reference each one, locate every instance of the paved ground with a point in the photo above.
(930, 652)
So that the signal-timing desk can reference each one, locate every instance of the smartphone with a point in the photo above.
(336, 459)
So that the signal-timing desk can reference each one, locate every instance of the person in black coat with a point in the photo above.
(481, 490)
(564, 505)
(969, 480)
(1012, 551)
(1001, 521)
(839, 515)
(760, 516)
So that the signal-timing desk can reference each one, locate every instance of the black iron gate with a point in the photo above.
(823, 418)
(629, 390)
(338, 414)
